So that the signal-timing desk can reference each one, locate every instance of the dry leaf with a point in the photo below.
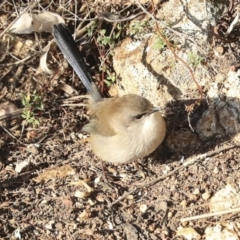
(56, 172)
(43, 60)
(7, 108)
(42, 22)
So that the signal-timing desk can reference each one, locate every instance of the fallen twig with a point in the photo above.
(206, 215)
(188, 162)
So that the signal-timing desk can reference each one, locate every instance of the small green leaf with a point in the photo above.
(107, 82)
(103, 31)
(159, 44)
(117, 35)
(37, 122)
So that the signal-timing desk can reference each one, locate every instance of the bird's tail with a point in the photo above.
(70, 50)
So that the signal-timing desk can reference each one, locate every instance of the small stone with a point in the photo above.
(216, 171)
(196, 191)
(143, 208)
(206, 195)
(183, 203)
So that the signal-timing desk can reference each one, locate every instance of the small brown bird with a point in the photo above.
(122, 129)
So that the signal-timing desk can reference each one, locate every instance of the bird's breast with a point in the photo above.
(137, 141)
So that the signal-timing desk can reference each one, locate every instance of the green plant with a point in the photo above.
(110, 79)
(138, 27)
(195, 59)
(91, 29)
(117, 32)
(103, 39)
(110, 40)
(159, 44)
(31, 103)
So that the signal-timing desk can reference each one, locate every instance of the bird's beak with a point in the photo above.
(155, 109)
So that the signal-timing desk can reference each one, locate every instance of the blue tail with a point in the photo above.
(70, 50)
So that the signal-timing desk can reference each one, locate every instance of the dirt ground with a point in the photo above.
(52, 185)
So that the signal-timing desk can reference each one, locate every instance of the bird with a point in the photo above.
(122, 129)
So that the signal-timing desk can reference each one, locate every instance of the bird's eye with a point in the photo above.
(139, 116)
